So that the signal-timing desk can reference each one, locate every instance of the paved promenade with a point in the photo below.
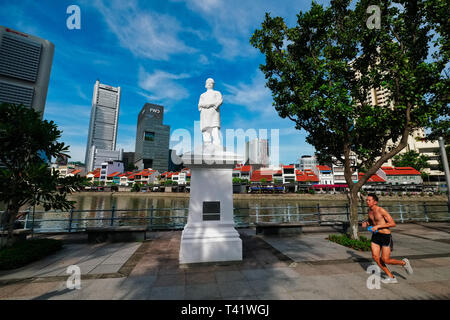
(306, 266)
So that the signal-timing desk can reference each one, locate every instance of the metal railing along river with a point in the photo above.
(176, 218)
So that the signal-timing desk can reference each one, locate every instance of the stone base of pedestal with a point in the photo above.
(210, 244)
(209, 235)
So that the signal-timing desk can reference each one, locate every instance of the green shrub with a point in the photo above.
(312, 191)
(24, 252)
(236, 180)
(363, 244)
(136, 187)
(169, 182)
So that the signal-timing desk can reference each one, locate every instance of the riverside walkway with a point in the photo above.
(306, 266)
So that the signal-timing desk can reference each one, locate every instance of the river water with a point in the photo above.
(171, 211)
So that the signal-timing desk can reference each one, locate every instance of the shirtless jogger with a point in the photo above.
(381, 220)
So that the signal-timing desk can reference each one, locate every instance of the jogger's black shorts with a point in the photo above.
(383, 240)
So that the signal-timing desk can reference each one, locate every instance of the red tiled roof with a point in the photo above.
(125, 174)
(323, 168)
(390, 171)
(243, 168)
(114, 174)
(148, 173)
(258, 175)
(75, 171)
(96, 173)
(373, 178)
(288, 167)
(305, 176)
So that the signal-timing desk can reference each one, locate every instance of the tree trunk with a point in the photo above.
(8, 221)
(353, 231)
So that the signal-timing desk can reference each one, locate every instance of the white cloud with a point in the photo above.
(162, 85)
(254, 96)
(203, 59)
(232, 22)
(146, 34)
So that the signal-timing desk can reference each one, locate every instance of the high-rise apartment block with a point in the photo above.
(25, 66)
(152, 139)
(307, 162)
(104, 123)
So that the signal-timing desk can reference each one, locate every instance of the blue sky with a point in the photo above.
(158, 51)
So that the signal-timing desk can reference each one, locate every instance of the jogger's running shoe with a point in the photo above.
(407, 266)
(389, 280)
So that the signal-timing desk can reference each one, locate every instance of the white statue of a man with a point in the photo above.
(209, 104)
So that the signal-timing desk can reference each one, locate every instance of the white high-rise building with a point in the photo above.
(25, 66)
(257, 152)
(104, 122)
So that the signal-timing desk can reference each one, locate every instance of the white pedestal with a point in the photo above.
(209, 235)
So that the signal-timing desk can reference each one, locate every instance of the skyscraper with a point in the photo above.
(25, 66)
(104, 122)
(152, 139)
(257, 153)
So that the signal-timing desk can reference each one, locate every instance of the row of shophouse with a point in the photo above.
(322, 177)
(142, 177)
(319, 177)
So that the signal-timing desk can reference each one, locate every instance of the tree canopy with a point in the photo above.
(26, 142)
(411, 159)
(322, 72)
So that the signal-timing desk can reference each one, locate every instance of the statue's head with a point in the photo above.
(209, 83)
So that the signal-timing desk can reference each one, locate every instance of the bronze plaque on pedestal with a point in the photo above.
(211, 210)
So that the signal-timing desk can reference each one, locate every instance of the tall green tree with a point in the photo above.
(25, 178)
(411, 159)
(321, 73)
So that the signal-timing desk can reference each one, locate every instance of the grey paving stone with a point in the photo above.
(167, 293)
(115, 259)
(282, 273)
(267, 286)
(226, 276)
(236, 289)
(100, 289)
(170, 280)
(105, 268)
(200, 277)
(255, 274)
(206, 291)
(277, 296)
(135, 288)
